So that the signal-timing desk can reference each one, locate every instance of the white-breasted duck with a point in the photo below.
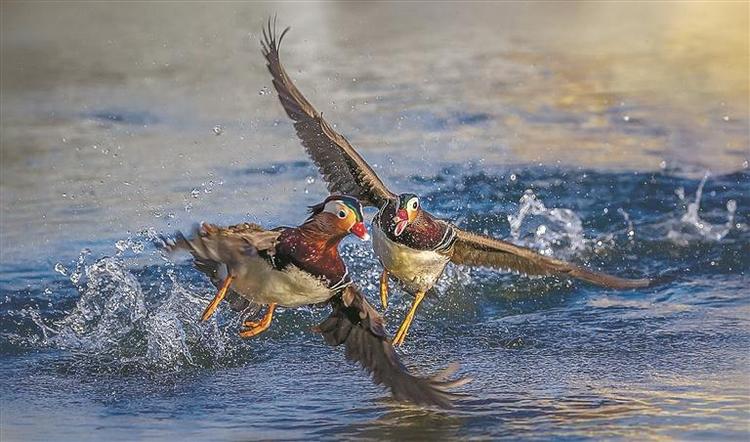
(413, 246)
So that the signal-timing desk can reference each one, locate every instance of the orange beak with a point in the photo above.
(360, 230)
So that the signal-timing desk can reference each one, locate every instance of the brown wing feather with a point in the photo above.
(359, 327)
(481, 251)
(211, 245)
(340, 165)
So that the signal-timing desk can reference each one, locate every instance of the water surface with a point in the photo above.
(612, 135)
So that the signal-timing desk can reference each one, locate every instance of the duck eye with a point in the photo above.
(342, 214)
(414, 204)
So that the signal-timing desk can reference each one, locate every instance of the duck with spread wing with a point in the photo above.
(413, 246)
(296, 266)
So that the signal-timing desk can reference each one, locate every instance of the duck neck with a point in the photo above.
(321, 236)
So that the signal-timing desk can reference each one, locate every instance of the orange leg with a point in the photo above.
(401, 333)
(257, 327)
(384, 289)
(217, 299)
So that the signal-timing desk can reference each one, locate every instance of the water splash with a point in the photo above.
(111, 305)
(631, 227)
(118, 324)
(692, 227)
(555, 230)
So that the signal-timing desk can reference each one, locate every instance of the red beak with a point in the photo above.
(360, 230)
(402, 215)
(401, 219)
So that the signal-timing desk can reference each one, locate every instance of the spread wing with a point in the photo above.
(339, 164)
(359, 327)
(481, 251)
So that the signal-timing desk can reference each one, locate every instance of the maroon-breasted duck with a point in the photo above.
(295, 266)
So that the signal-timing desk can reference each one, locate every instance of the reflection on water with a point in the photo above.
(580, 129)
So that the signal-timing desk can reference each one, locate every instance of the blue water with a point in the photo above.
(624, 148)
(113, 339)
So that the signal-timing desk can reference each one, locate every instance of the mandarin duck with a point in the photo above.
(412, 245)
(296, 266)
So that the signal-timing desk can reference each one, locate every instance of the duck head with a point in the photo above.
(407, 210)
(341, 214)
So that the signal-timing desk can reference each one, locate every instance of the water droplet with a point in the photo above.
(513, 177)
(59, 268)
(626, 118)
(725, 118)
(48, 291)
(264, 91)
(218, 130)
(195, 192)
(310, 180)
(680, 192)
(663, 165)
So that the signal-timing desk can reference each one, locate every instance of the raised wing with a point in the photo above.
(359, 327)
(481, 251)
(339, 164)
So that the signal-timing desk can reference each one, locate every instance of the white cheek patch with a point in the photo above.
(333, 207)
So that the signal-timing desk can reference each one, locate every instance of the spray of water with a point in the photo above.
(692, 227)
(117, 326)
(556, 230)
